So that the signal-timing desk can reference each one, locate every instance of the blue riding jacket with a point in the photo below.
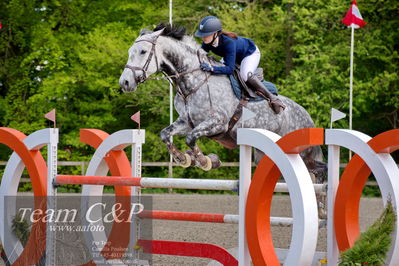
(232, 50)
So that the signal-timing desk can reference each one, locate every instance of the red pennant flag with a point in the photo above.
(50, 115)
(136, 117)
(353, 18)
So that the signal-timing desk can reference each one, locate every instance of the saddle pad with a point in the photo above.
(237, 89)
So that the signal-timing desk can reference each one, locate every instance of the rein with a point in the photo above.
(142, 78)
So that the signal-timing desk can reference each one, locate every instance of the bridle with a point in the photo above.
(144, 77)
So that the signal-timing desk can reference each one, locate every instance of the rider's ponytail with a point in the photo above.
(230, 34)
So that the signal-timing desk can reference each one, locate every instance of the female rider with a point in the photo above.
(234, 50)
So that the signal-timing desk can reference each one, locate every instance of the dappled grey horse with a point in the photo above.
(205, 103)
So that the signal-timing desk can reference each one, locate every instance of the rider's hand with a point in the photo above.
(206, 67)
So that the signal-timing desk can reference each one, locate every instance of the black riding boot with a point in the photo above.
(275, 103)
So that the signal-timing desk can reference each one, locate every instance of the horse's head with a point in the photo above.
(142, 61)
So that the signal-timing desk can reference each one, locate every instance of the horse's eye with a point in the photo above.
(143, 51)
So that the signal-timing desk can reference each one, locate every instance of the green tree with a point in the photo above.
(372, 246)
(319, 79)
(266, 26)
(69, 55)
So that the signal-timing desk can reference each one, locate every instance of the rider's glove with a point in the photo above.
(206, 67)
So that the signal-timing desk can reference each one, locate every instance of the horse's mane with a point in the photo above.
(178, 33)
(175, 31)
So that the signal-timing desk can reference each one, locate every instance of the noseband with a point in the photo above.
(143, 77)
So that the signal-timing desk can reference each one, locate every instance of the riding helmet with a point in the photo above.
(208, 26)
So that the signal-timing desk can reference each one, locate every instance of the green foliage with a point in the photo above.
(372, 246)
(20, 228)
(69, 55)
(266, 27)
(319, 79)
(371, 192)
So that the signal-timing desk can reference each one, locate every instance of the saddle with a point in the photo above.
(245, 94)
(248, 92)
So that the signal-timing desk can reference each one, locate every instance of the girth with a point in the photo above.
(237, 115)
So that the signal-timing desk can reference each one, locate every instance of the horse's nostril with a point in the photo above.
(126, 83)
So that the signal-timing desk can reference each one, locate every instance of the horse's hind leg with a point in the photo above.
(318, 170)
(258, 155)
(179, 127)
(207, 128)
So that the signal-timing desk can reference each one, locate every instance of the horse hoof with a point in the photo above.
(192, 156)
(216, 163)
(187, 161)
(321, 206)
(322, 213)
(313, 177)
(208, 164)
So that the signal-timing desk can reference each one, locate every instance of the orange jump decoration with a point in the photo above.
(281, 158)
(110, 148)
(119, 165)
(26, 152)
(372, 155)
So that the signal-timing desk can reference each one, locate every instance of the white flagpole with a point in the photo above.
(170, 84)
(351, 78)
(351, 81)
(170, 168)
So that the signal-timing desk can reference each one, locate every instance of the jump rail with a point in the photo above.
(157, 182)
(212, 218)
(148, 182)
(255, 191)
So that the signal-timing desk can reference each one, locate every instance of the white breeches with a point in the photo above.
(249, 64)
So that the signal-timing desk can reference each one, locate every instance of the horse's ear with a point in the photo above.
(145, 32)
(159, 32)
(160, 26)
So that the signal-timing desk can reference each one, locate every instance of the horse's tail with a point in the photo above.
(314, 160)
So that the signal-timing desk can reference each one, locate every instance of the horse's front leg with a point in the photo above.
(211, 127)
(179, 127)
